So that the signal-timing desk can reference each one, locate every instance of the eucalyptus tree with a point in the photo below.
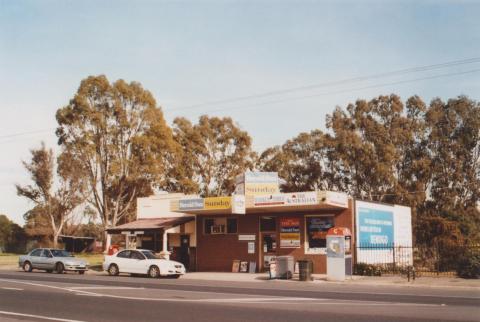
(118, 136)
(57, 189)
(303, 162)
(215, 151)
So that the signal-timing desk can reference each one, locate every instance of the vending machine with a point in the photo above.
(339, 254)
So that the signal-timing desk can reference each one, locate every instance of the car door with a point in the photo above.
(35, 257)
(137, 262)
(48, 260)
(122, 261)
(42, 260)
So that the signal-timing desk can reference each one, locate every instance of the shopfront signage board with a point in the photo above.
(337, 198)
(191, 204)
(238, 204)
(214, 203)
(269, 200)
(301, 198)
(289, 232)
(246, 237)
(258, 183)
(286, 199)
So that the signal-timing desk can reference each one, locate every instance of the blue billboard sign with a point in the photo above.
(375, 227)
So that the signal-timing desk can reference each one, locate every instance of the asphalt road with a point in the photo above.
(69, 297)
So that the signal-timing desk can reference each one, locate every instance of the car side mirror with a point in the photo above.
(50, 256)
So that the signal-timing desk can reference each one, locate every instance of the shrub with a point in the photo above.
(469, 266)
(367, 269)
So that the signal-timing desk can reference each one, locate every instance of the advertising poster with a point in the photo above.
(375, 230)
(317, 227)
(251, 247)
(375, 227)
(289, 232)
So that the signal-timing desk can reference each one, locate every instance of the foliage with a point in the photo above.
(12, 236)
(469, 266)
(425, 157)
(364, 269)
(215, 151)
(116, 134)
(53, 207)
(302, 162)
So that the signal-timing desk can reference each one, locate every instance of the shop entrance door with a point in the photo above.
(268, 248)
(184, 253)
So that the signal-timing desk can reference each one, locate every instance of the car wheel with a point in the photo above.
(59, 268)
(81, 272)
(176, 276)
(113, 270)
(27, 267)
(153, 272)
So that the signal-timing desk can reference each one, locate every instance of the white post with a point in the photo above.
(165, 253)
(165, 240)
(108, 243)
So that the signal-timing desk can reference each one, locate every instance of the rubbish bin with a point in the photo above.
(285, 267)
(112, 249)
(305, 268)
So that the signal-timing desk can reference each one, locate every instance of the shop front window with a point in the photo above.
(220, 225)
(316, 233)
(268, 223)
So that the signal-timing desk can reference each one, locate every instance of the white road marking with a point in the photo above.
(104, 288)
(38, 316)
(349, 291)
(263, 300)
(33, 284)
(12, 288)
(354, 292)
(257, 300)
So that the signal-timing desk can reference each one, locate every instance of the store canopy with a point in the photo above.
(150, 224)
(306, 201)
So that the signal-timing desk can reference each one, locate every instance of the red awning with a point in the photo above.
(150, 224)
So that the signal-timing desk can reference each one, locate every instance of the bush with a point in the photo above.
(367, 269)
(469, 266)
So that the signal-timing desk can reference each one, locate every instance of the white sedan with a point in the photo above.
(141, 261)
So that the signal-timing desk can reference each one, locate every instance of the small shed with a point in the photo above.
(76, 244)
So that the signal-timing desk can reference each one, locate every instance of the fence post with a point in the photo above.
(394, 260)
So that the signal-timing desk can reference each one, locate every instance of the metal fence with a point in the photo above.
(426, 260)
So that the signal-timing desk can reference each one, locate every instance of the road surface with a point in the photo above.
(39, 296)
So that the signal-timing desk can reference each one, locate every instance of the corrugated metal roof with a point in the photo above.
(151, 223)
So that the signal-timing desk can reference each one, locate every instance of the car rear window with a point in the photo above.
(36, 252)
(124, 254)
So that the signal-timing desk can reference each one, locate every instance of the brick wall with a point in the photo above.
(217, 252)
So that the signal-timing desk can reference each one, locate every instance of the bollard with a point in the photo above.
(411, 273)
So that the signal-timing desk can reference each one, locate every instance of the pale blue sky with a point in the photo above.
(190, 52)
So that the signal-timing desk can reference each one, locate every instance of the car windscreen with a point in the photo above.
(149, 254)
(60, 253)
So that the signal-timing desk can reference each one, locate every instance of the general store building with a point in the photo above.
(253, 225)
